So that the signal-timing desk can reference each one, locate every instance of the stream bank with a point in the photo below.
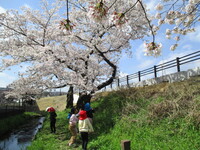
(21, 138)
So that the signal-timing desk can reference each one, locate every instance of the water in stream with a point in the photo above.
(20, 139)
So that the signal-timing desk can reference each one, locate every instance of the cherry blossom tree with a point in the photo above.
(81, 47)
(24, 87)
(181, 16)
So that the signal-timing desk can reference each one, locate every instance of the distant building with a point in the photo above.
(4, 89)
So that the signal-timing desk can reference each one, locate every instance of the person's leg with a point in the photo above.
(73, 132)
(54, 126)
(70, 141)
(84, 136)
(86, 140)
(51, 126)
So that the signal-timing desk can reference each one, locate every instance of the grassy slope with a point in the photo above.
(58, 102)
(164, 116)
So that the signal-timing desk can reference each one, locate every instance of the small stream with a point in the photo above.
(20, 139)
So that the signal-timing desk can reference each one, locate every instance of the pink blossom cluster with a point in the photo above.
(98, 10)
(66, 24)
(118, 19)
(153, 49)
(182, 15)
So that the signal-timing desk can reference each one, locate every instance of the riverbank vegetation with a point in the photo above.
(13, 122)
(164, 116)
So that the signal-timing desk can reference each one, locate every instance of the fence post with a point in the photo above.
(178, 64)
(127, 79)
(126, 145)
(118, 82)
(155, 72)
(139, 77)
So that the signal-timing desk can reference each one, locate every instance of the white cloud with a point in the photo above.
(2, 10)
(122, 74)
(26, 5)
(139, 52)
(6, 79)
(147, 63)
(194, 36)
(187, 47)
(151, 5)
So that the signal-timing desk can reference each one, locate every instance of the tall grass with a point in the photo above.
(159, 117)
(164, 116)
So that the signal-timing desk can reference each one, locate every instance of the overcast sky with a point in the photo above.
(127, 65)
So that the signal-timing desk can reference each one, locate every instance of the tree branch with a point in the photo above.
(110, 80)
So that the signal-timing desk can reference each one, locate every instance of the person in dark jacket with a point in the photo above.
(53, 116)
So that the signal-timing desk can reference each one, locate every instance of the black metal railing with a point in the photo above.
(175, 63)
(10, 109)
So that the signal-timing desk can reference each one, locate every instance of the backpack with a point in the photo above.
(69, 115)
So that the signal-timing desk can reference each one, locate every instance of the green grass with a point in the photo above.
(159, 117)
(13, 122)
(45, 140)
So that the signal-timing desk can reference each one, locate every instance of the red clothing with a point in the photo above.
(82, 115)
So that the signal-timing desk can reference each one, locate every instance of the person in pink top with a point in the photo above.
(72, 126)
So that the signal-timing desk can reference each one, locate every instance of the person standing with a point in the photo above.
(72, 126)
(89, 111)
(53, 116)
(85, 127)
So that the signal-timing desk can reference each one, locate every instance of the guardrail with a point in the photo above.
(175, 63)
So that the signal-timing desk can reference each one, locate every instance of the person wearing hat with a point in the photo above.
(52, 118)
(89, 111)
(85, 127)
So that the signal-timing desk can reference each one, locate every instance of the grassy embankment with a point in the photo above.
(58, 102)
(164, 116)
(14, 122)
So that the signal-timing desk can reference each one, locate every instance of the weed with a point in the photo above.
(163, 116)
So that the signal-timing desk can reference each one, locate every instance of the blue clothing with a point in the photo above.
(87, 107)
(69, 115)
(88, 110)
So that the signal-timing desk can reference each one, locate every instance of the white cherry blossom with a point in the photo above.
(84, 49)
(173, 47)
(177, 38)
(159, 7)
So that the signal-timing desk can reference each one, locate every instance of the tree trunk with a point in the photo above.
(83, 98)
(70, 97)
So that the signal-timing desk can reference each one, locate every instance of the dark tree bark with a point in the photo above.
(70, 97)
